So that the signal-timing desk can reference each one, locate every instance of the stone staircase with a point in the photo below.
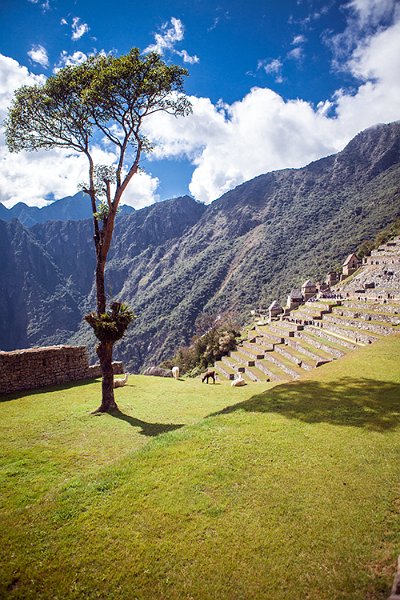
(313, 335)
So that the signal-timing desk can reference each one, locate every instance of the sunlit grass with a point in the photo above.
(199, 491)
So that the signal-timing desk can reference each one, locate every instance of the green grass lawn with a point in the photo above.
(206, 492)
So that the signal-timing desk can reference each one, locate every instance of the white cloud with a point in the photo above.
(297, 53)
(38, 54)
(262, 132)
(228, 144)
(274, 66)
(298, 39)
(45, 5)
(13, 75)
(166, 40)
(67, 60)
(187, 58)
(371, 12)
(78, 29)
(141, 191)
(365, 18)
(169, 36)
(63, 22)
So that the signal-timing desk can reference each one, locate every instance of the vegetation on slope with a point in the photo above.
(390, 232)
(178, 259)
(215, 336)
(285, 491)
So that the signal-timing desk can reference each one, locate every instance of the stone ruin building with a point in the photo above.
(386, 256)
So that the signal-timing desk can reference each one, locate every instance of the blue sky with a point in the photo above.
(273, 84)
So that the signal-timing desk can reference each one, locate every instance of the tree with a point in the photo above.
(105, 97)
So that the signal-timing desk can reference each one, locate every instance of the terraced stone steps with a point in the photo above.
(375, 307)
(311, 336)
(317, 354)
(227, 373)
(368, 315)
(224, 371)
(255, 374)
(253, 350)
(284, 364)
(297, 356)
(356, 334)
(375, 326)
(317, 343)
(329, 336)
(271, 371)
(266, 334)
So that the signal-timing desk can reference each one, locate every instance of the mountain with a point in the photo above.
(71, 208)
(34, 295)
(175, 259)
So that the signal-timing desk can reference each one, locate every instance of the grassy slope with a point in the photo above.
(292, 492)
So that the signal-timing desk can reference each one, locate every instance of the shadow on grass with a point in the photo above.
(148, 429)
(6, 397)
(362, 402)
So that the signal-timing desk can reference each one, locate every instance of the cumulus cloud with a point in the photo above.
(30, 177)
(67, 60)
(168, 37)
(371, 12)
(78, 29)
(171, 33)
(364, 18)
(38, 54)
(142, 191)
(229, 144)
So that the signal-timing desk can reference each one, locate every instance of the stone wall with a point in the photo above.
(39, 367)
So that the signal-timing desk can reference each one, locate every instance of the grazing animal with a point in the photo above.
(121, 382)
(208, 375)
(238, 381)
(175, 372)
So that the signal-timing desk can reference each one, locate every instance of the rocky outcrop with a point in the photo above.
(157, 372)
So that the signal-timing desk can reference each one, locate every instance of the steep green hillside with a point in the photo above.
(261, 239)
(197, 491)
(173, 260)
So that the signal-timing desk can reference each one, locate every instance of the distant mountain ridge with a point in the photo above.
(71, 208)
(175, 259)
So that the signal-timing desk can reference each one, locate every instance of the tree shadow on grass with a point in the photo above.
(367, 403)
(17, 395)
(148, 429)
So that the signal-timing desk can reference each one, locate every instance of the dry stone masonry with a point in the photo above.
(319, 325)
(40, 367)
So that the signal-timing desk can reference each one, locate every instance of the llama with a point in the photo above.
(175, 372)
(238, 381)
(121, 382)
(208, 375)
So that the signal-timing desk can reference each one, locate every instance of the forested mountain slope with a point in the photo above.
(175, 259)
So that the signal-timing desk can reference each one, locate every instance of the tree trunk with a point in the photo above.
(104, 352)
(105, 349)
(100, 287)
